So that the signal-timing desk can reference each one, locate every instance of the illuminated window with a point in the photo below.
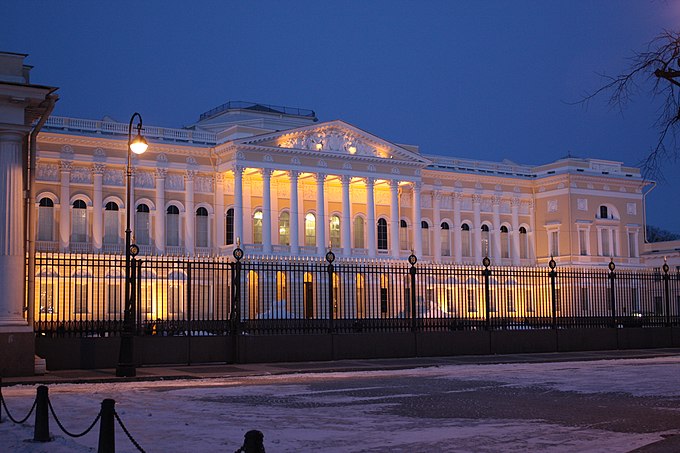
(310, 229)
(284, 228)
(79, 221)
(425, 233)
(403, 235)
(334, 230)
(446, 239)
(202, 233)
(382, 234)
(465, 240)
(359, 232)
(142, 225)
(486, 240)
(46, 220)
(111, 230)
(505, 242)
(172, 226)
(257, 227)
(230, 226)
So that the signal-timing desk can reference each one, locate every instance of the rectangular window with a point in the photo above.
(554, 243)
(583, 242)
(604, 239)
(142, 228)
(632, 245)
(403, 237)
(45, 223)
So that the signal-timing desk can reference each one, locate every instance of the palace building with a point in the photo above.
(287, 184)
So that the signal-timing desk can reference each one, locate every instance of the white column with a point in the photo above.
(345, 231)
(266, 211)
(496, 230)
(65, 202)
(159, 238)
(190, 215)
(394, 219)
(515, 232)
(219, 237)
(97, 231)
(12, 267)
(320, 215)
(477, 227)
(370, 216)
(437, 227)
(417, 219)
(532, 226)
(457, 236)
(238, 203)
(294, 213)
(275, 211)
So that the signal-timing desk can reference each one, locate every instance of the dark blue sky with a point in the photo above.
(490, 80)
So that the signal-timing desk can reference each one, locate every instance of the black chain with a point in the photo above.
(9, 415)
(127, 433)
(70, 434)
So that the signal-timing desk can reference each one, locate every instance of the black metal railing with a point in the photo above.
(82, 295)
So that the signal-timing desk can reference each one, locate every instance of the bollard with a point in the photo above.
(1, 399)
(253, 442)
(41, 433)
(107, 438)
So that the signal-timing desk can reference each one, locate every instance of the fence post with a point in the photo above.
(553, 290)
(41, 432)
(486, 273)
(612, 290)
(666, 282)
(107, 438)
(413, 259)
(235, 316)
(136, 290)
(330, 257)
(1, 397)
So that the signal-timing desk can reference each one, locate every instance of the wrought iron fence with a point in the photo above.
(83, 295)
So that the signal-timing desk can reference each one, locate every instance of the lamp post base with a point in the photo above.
(126, 366)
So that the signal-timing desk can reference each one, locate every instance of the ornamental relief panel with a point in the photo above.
(113, 177)
(256, 187)
(204, 184)
(552, 205)
(174, 182)
(283, 190)
(426, 201)
(466, 204)
(334, 140)
(405, 200)
(382, 197)
(334, 194)
(81, 175)
(229, 186)
(446, 202)
(486, 205)
(144, 179)
(48, 172)
(309, 192)
(505, 207)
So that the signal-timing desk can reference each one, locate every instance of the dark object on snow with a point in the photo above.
(253, 442)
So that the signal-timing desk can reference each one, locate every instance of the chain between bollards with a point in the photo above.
(9, 414)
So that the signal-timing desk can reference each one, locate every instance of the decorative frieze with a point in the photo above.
(47, 172)
(144, 179)
(81, 175)
(174, 182)
(113, 177)
(204, 184)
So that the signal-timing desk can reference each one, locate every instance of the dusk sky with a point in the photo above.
(487, 80)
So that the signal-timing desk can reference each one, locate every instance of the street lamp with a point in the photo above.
(126, 366)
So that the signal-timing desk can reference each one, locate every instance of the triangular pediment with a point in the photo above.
(335, 138)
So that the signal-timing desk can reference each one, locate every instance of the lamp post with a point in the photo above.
(126, 366)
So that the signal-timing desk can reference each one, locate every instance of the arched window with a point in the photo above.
(111, 234)
(202, 233)
(46, 219)
(142, 225)
(425, 233)
(257, 227)
(403, 235)
(310, 229)
(79, 221)
(505, 242)
(446, 239)
(382, 234)
(486, 240)
(359, 232)
(334, 229)
(284, 228)
(172, 226)
(230, 226)
(465, 241)
(523, 243)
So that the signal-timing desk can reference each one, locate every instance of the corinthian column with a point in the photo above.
(294, 213)
(159, 238)
(190, 215)
(266, 211)
(345, 238)
(320, 215)
(370, 217)
(97, 233)
(417, 221)
(394, 218)
(65, 205)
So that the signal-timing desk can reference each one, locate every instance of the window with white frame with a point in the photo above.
(608, 243)
(583, 241)
(554, 242)
(46, 219)
(523, 243)
(633, 244)
(486, 240)
(404, 243)
(172, 226)
(79, 221)
(142, 225)
(334, 231)
(310, 229)
(359, 232)
(425, 233)
(111, 234)
(465, 240)
(284, 228)
(446, 239)
(229, 227)
(505, 242)
(382, 234)
(202, 224)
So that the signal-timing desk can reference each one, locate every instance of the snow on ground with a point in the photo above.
(352, 411)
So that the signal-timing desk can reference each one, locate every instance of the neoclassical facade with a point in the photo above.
(286, 184)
